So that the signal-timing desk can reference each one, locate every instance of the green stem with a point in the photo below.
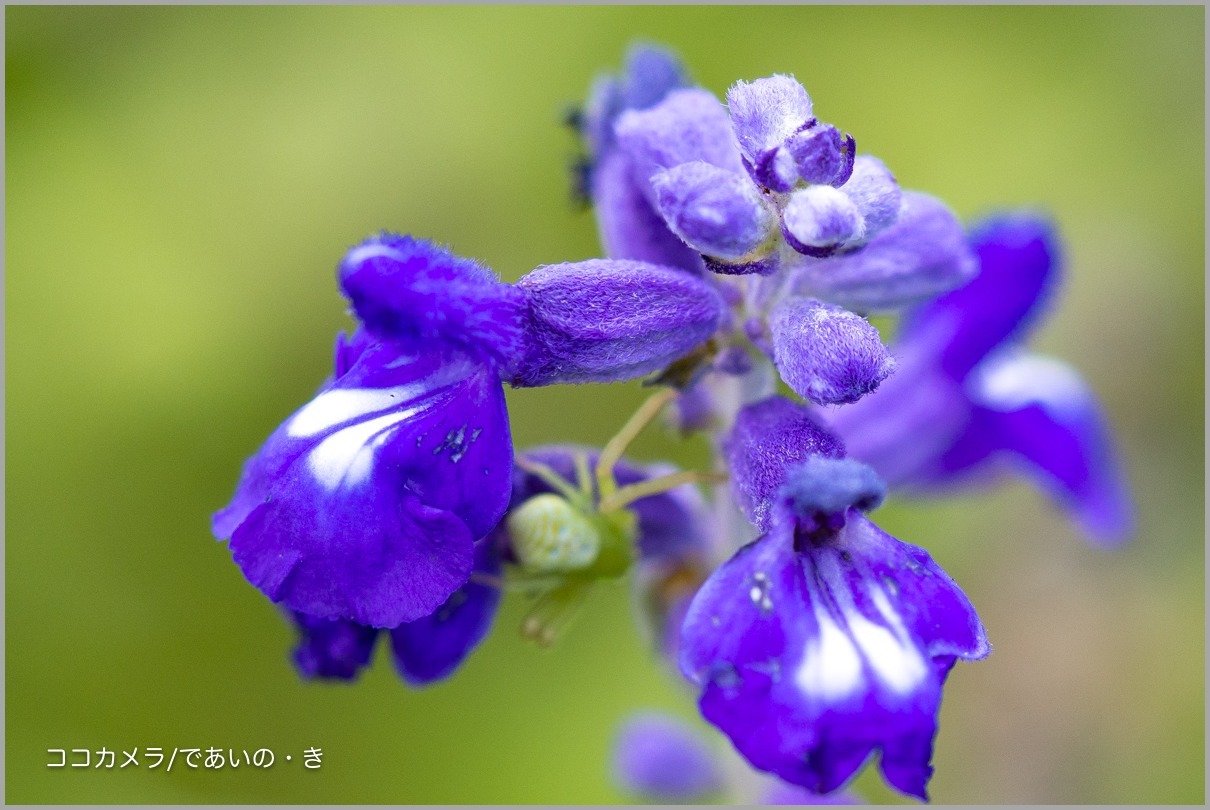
(606, 485)
(655, 486)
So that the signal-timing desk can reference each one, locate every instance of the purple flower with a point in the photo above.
(825, 639)
(607, 321)
(366, 505)
(662, 758)
(967, 403)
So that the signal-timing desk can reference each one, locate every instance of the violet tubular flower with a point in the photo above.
(825, 639)
(370, 506)
(661, 758)
(969, 404)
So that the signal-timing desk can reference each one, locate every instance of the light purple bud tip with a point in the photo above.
(827, 354)
(766, 112)
(821, 218)
(663, 758)
(822, 486)
(718, 213)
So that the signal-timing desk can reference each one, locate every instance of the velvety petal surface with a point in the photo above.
(812, 658)
(649, 73)
(365, 503)
(1018, 256)
(923, 254)
(873, 189)
(611, 320)
(414, 292)
(1036, 415)
(769, 437)
(764, 113)
(332, 648)
(827, 354)
(821, 217)
(914, 416)
(665, 759)
(431, 648)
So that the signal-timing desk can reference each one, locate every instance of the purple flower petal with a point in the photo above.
(781, 793)
(1038, 415)
(663, 758)
(606, 321)
(953, 416)
(687, 125)
(922, 254)
(769, 437)
(411, 291)
(812, 656)
(913, 417)
(716, 212)
(649, 73)
(1018, 269)
(873, 189)
(630, 228)
(766, 112)
(332, 648)
(827, 354)
(819, 153)
(364, 504)
(431, 648)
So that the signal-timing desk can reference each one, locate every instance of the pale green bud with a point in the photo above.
(551, 536)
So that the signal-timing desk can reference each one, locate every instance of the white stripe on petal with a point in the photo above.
(831, 667)
(1011, 381)
(347, 456)
(346, 404)
(894, 659)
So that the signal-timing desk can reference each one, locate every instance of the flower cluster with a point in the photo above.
(745, 245)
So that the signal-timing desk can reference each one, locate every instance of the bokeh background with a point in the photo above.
(181, 183)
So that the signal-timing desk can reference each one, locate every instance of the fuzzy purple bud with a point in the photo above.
(820, 218)
(766, 112)
(608, 321)
(717, 212)
(876, 194)
(827, 354)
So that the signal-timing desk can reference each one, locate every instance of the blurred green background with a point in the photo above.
(181, 183)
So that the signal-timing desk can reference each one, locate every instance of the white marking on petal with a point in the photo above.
(831, 667)
(894, 659)
(373, 250)
(347, 456)
(1010, 382)
(345, 404)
